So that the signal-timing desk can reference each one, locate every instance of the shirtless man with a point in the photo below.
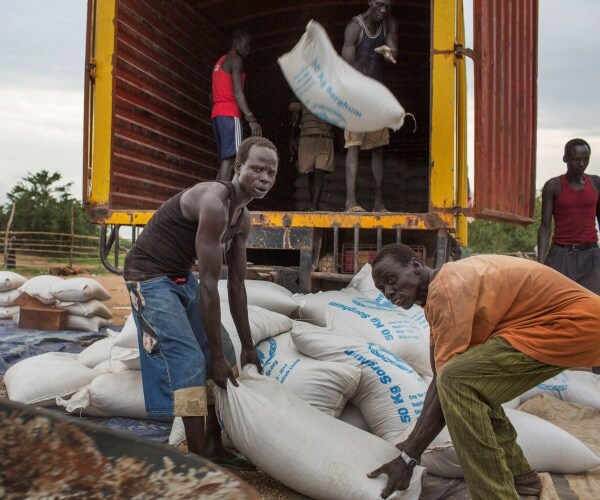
(178, 317)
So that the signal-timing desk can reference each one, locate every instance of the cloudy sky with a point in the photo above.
(41, 86)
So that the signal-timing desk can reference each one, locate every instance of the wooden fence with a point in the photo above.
(40, 249)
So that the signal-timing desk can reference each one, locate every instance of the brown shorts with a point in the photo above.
(367, 140)
(315, 151)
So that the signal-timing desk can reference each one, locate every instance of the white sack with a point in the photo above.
(110, 366)
(547, 447)
(93, 324)
(96, 353)
(177, 434)
(305, 449)
(8, 298)
(87, 309)
(129, 356)
(314, 306)
(10, 280)
(573, 386)
(333, 90)
(390, 394)
(40, 287)
(352, 415)
(264, 294)
(79, 290)
(41, 379)
(325, 385)
(8, 312)
(128, 336)
(110, 394)
(263, 324)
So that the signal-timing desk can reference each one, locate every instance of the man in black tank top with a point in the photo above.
(178, 317)
(369, 39)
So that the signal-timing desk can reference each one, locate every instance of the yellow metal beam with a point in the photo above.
(310, 219)
(443, 106)
(462, 196)
(102, 105)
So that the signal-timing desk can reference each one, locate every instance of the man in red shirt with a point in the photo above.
(229, 102)
(572, 200)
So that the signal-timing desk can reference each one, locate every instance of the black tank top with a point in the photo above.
(366, 60)
(167, 245)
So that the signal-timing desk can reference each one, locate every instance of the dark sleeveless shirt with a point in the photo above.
(574, 212)
(167, 245)
(366, 60)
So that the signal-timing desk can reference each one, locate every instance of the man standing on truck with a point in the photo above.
(368, 40)
(229, 102)
(499, 326)
(177, 316)
(312, 142)
(573, 202)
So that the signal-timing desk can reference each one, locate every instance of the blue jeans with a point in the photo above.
(174, 350)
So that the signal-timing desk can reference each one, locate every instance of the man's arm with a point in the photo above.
(428, 426)
(596, 183)
(351, 36)
(237, 65)
(543, 236)
(390, 49)
(212, 222)
(238, 304)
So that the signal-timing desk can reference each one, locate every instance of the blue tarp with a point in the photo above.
(17, 344)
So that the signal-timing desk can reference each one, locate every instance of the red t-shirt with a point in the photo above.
(224, 103)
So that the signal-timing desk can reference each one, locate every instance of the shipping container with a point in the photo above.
(148, 131)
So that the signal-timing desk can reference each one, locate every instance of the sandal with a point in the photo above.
(354, 209)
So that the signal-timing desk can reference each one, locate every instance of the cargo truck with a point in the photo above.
(148, 131)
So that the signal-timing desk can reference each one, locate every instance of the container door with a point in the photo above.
(505, 43)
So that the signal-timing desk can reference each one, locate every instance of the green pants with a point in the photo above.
(471, 388)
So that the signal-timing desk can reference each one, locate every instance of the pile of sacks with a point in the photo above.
(81, 297)
(9, 293)
(345, 375)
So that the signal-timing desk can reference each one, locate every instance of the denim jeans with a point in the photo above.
(174, 349)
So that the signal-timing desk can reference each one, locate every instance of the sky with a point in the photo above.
(42, 78)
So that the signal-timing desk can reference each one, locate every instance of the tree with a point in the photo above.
(497, 237)
(42, 204)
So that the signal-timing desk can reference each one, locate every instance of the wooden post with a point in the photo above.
(72, 239)
(10, 219)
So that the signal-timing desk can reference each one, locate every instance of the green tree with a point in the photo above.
(43, 204)
(497, 237)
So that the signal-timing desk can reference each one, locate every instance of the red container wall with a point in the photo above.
(505, 39)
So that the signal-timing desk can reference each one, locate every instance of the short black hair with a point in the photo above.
(239, 35)
(575, 142)
(402, 254)
(247, 144)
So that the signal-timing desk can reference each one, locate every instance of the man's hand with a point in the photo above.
(255, 128)
(398, 473)
(386, 52)
(250, 356)
(221, 372)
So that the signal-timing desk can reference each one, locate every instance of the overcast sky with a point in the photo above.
(41, 86)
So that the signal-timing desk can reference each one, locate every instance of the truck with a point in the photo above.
(148, 131)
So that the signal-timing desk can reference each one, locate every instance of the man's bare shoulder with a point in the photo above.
(206, 198)
(595, 180)
(552, 186)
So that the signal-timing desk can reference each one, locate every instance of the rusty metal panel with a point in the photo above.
(505, 43)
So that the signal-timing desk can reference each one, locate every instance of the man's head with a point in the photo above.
(400, 275)
(577, 156)
(240, 42)
(256, 165)
(380, 9)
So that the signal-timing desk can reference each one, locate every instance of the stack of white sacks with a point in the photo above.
(82, 297)
(343, 382)
(9, 292)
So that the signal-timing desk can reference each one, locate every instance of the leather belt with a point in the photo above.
(577, 246)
